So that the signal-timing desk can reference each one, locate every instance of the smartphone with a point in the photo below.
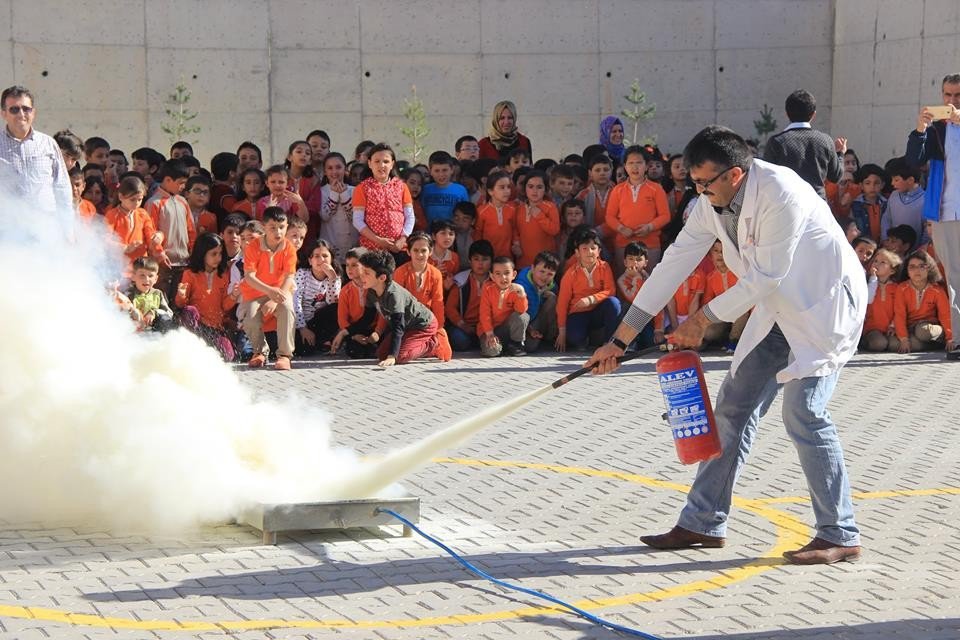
(940, 111)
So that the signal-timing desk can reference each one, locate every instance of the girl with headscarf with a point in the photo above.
(504, 136)
(611, 137)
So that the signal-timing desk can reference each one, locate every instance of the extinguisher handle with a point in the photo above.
(620, 360)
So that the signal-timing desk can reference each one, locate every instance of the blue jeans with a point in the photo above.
(742, 400)
(579, 325)
(460, 340)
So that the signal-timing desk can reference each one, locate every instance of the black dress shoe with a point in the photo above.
(820, 551)
(680, 538)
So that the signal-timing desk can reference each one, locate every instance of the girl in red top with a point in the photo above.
(252, 184)
(496, 219)
(637, 209)
(538, 221)
(382, 206)
(921, 312)
(202, 294)
(878, 328)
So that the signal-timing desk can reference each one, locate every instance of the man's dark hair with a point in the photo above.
(548, 259)
(222, 164)
(181, 144)
(719, 145)
(800, 106)
(173, 169)
(950, 78)
(480, 248)
(440, 157)
(16, 91)
(459, 143)
(381, 262)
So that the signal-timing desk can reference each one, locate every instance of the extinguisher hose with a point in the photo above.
(620, 359)
(508, 585)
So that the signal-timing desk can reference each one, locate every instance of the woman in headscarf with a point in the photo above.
(611, 137)
(504, 136)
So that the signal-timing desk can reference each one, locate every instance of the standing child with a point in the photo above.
(538, 221)
(202, 294)
(503, 312)
(84, 209)
(463, 303)
(588, 296)
(421, 278)
(906, 202)
(879, 331)
(412, 329)
(279, 196)
(497, 218)
(171, 216)
(868, 209)
(315, 298)
(921, 312)
(303, 182)
(269, 266)
(336, 209)
(443, 256)
(320, 147)
(131, 224)
(464, 219)
(597, 193)
(151, 311)
(198, 197)
(439, 197)
(356, 320)
(252, 186)
(383, 205)
(414, 181)
(223, 172)
(638, 209)
(561, 184)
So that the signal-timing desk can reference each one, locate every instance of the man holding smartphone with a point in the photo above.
(937, 139)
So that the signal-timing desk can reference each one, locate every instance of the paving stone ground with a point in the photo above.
(572, 534)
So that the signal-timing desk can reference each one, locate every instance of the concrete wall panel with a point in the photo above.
(315, 24)
(444, 131)
(229, 24)
(447, 85)
(854, 123)
(897, 73)
(898, 20)
(620, 22)
(542, 84)
(675, 128)
(538, 26)
(77, 23)
(558, 136)
(301, 85)
(220, 131)
(853, 74)
(6, 61)
(773, 23)
(783, 71)
(941, 56)
(855, 21)
(941, 18)
(671, 79)
(392, 27)
(68, 84)
(344, 130)
(123, 129)
(219, 80)
(6, 21)
(890, 127)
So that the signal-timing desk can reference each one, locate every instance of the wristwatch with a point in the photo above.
(617, 342)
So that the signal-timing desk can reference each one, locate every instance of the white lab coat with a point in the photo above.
(795, 269)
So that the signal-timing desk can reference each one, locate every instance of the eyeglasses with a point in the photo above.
(16, 109)
(703, 185)
(200, 192)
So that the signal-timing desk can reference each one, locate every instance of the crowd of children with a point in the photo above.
(375, 258)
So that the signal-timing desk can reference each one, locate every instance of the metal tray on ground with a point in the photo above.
(272, 519)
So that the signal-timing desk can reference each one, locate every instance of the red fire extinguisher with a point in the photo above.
(689, 412)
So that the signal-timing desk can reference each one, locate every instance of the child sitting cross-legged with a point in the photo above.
(921, 312)
(588, 296)
(411, 328)
(151, 311)
(878, 327)
(503, 312)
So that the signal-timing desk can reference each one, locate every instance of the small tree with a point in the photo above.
(178, 125)
(417, 131)
(766, 125)
(640, 113)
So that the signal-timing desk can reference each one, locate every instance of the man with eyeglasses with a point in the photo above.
(32, 170)
(805, 286)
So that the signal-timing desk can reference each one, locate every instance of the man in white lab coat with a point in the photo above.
(808, 293)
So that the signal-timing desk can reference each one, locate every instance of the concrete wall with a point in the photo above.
(272, 70)
(889, 60)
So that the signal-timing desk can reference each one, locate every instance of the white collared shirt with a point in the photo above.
(797, 125)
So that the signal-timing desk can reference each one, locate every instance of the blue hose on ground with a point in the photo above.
(539, 594)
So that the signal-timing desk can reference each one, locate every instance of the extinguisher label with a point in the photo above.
(686, 408)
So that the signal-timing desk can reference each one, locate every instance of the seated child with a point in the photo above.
(717, 282)
(538, 282)
(151, 311)
(356, 320)
(421, 278)
(628, 286)
(879, 333)
(315, 300)
(411, 328)
(267, 287)
(588, 296)
(901, 239)
(687, 299)
(443, 257)
(503, 312)
(463, 303)
(202, 294)
(865, 248)
(921, 312)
